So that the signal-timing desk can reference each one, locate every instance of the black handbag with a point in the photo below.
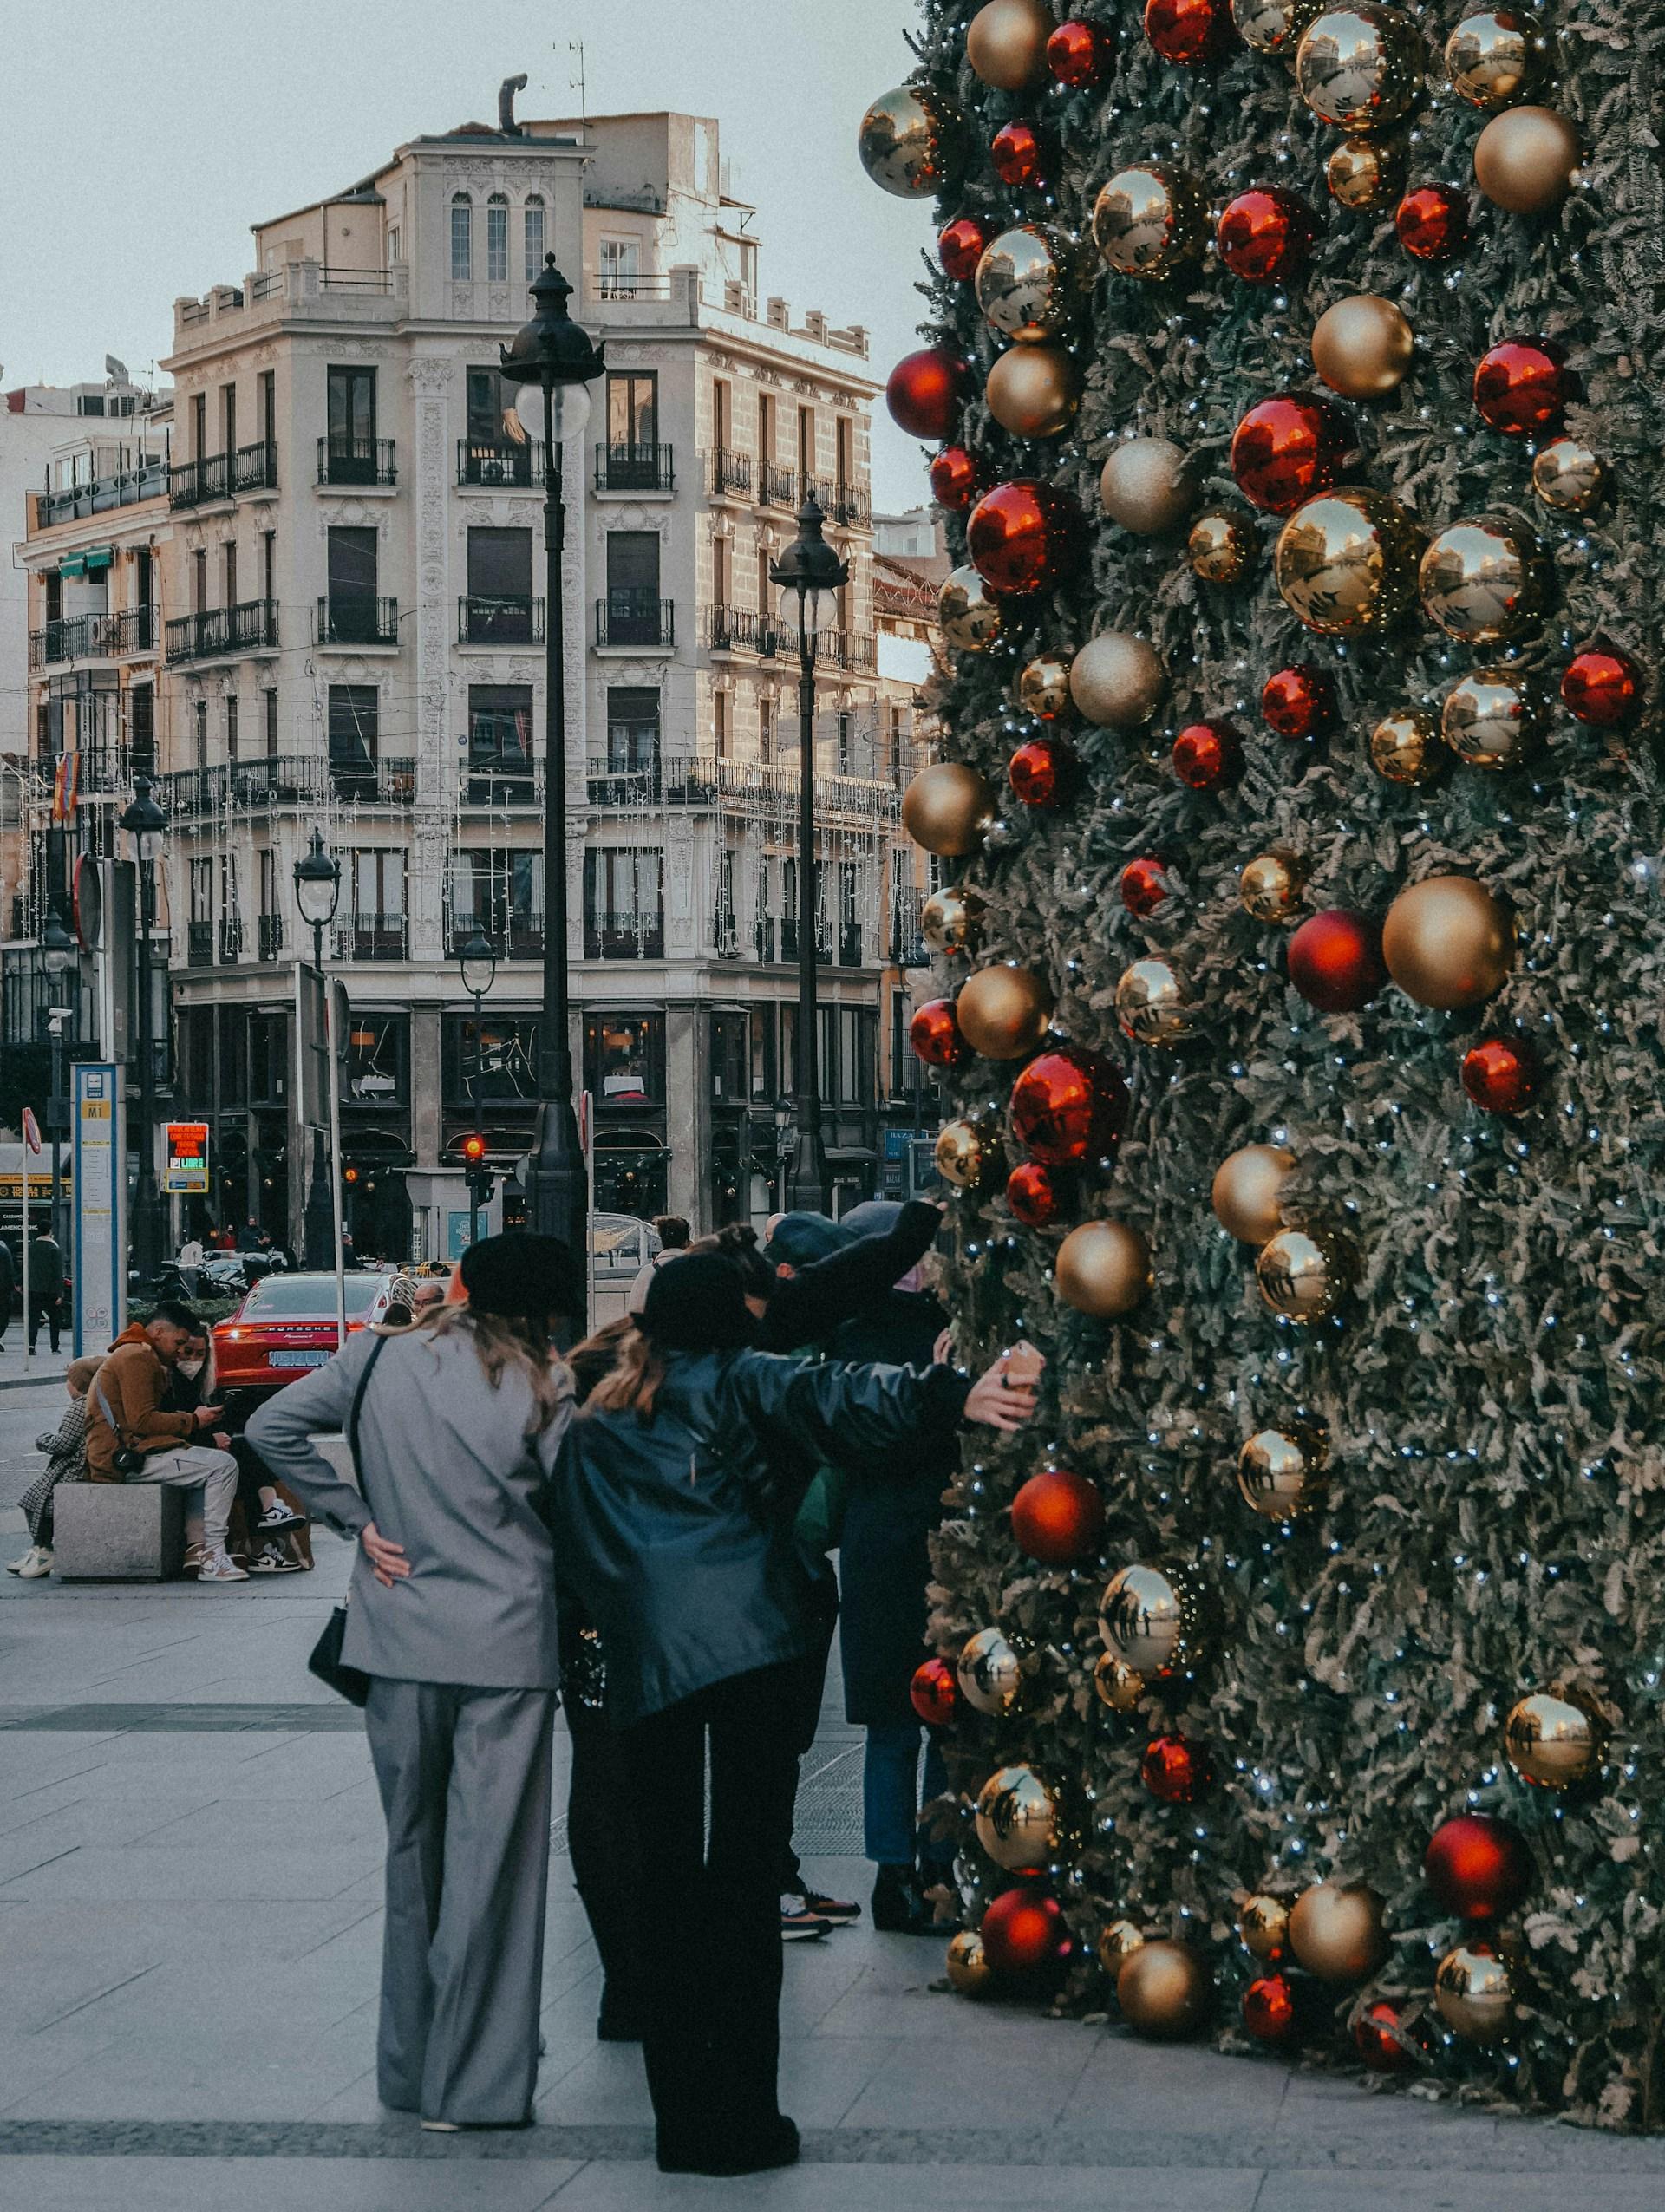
(326, 1661)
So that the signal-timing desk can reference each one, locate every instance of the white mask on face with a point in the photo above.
(191, 1367)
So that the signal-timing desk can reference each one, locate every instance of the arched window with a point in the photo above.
(534, 238)
(462, 238)
(497, 239)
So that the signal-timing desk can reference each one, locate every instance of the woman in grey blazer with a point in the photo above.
(452, 1615)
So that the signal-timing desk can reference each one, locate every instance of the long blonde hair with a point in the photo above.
(501, 1344)
(633, 1387)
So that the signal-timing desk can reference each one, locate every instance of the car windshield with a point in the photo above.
(307, 1294)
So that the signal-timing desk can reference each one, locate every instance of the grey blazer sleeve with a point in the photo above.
(317, 1404)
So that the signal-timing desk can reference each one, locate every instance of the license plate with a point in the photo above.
(299, 1359)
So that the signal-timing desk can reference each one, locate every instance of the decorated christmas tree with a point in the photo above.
(1293, 376)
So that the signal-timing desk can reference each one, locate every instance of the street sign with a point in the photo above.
(31, 1130)
(184, 1166)
(99, 1136)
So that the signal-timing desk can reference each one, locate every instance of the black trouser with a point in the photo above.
(49, 1310)
(608, 1872)
(713, 2041)
(253, 1473)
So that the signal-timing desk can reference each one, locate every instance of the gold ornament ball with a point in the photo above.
(1164, 1989)
(988, 1673)
(1006, 43)
(1448, 942)
(944, 808)
(1248, 1191)
(1284, 1472)
(1223, 546)
(1555, 1738)
(1484, 579)
(1154, 1005)
(1117, 682)
(907, 141)
(967, 613)
(1147, 484)
(1493, 55)
(1273, 26)
(1043, 687)
(1270, 888)
(1027, 283)
(1150, 1619)
(1263, 1924)
(1335, 1932)
(1103, 1268)
(1117, 1943)
(1305, 1274)
(1569, 477)
(1118, 1685)
(1526, 160)
(1004, 1012)
(1473, 1991)
(1405, 748)
(1362, 346)
(1365, 173)
(961, 1154)
(1360, 68)
(1150, 221)
(1345, 562)
(1033, 391)
(1492, 719)
(1017, 1819)
(950, 921)
(968, 1968)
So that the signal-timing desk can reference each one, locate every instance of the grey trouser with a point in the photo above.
(465, 1782)
(198, 1466)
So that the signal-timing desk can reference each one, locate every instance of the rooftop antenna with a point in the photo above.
(574, 46)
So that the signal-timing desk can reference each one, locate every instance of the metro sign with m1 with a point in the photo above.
(185, 1169)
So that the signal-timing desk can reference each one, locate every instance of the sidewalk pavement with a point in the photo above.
(190, 1923)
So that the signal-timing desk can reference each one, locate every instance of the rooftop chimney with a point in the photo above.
(506, 91)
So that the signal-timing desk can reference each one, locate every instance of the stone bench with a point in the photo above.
(118, 1532)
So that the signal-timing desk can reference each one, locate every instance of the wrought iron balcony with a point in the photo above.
(635, 468)
(777, 486)
(356, 622)
(847, 648)
(731, 472)
(372, 936)
(632, 617)
(516, 936)
(763, 937)
(624, 937)
(500, 622)
(250, 627)
(373, 783)
(356, 461)
(199, 944)
(741, 788)
(271, 937)
(851, 507)
(125, 488)
(82, 637)
(498, 783)
(285, 780)
(194, 483)
(231, 940)
(742, 630)
(819, 488)
(254, 468)
(500, 462)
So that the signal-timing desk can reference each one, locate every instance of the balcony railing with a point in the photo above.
(847, 648)
(500, 462)
(738, 787)
(304, 780)
(254, 468)
(635, 468)
(373, 783)
(742, 630)
(851, 506)
(624, 937)
(776, 487)
(634, 619)
(81, 637)
(763, 937)
(193, 483)
(372, 936)
(500, 622)
(356, 622)
(820, 489)
(516, 937)
(731, 471)
(231, 940)
(500, 783)
(125, 488)
(271, 937)
(101, 771)
(789, 942)
(356, 461)
(251, 626)
(849, 944)
(199, 944)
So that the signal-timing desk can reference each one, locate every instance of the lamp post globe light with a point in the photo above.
(146, 825)
(809, 573)
(58, 955)
(554, 361)
(317, 893)
(478, 963)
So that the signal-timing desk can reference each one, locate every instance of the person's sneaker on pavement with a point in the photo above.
(35, 1563)
(195, 1555)
(221, 1567)
(840, 1910)
(798, 1923)
(278, 1516)
(271, 1559)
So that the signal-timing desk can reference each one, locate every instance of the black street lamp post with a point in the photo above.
(58, 957)
(477, 963)
(317, 893)
(146, 825)
(810, 571)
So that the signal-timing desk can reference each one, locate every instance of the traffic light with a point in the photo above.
(480, 1179)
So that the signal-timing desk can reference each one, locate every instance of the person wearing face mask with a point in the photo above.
(266, 1517)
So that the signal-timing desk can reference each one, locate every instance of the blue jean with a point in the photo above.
(889, 1795)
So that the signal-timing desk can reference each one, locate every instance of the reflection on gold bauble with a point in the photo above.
(1154, 1005)
(1336, 1934)
(907, 141)
(1223, 544)
(967, 613)
(1118, 1685)
(1483, 579)
(1555, 1738)
(1006, 43)
(1117, 1942)
(1033, 391)
(1017, 1819)
(1117, 682)
(1248, 1191)
(1163, 1989)
(1492, 719)
(1362, 346)
(961, 1154)
(1043, 687)
(1493, 55)
(1272, 26)
(1365, 173)
(1150, 1619)
(1284, 1471)
(1150, 221)
(945, 807)
(1405, 748)
(1472, 1989)
(1345, 562)
(1147, 484)
(1004, 1012)
(966, 1967)
(1526, 160)
(1305, 1274)
(1569, 477)
(1271, 887)
(1103, 1268)
(1448, 942)
(988, 1672)
(1263, 1924)
(951, 921)
(1359, 68)
(1027, 283)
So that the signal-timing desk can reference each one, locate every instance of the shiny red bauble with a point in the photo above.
(1021, 534)
(1207, 755)
(1290, 449)
(1068, 1105)
(1175, 1770)
(1190, 32)
(935, 1690)
(1041, 771)
(1079, 55)
(1023, 1931)
(958, 479)
(1602, 685)
(960, 244)
(1269, 2010)
(1376, 2038)
(1500, 1075)
(1298, 702)
(1035, 1195)
(935, 1035)
(1021, 155)
(926, 391)
(1478, 1867)
(1432, 222)
(1057, 1517)
(1264, 235)
(1145, 884)
(1335, 961)
(1522, 387)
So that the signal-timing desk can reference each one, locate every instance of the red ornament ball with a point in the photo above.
(1079, 55)
(1207, 755)
(1068, 1105)
(957, 478)
(1021, 155)
(1432, 222)
(1298, 702)
(1335, 961)
(1269, 2012)
(1376, 2037)
(1477, 1866)
(1033, 1194)
(1522, 387)
(1264, 235)
(935, 1690)
(962, 244)
(1019, 535)
(1040, 771)
(1290, 449)
(1500, 1075)
(935, 1035)
(1175, 1770)
(1602, 685)
(1190, 32)
(1145, 884)
(926, 392)
(1058, 1518)
(1023, 1931)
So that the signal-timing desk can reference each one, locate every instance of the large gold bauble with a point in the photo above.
(1273, 26)
(1555, 1738)
(1164, 1989)
(1336, 1934)
(1150, 221)
(1223, 544)
(1154, 1005)
(1526, 160)
(961, 1154)
(1248, 1191)
(1006, 43)
(1034, 391)
(1118, 1685)
(1363, 346)
(1360, 68)
(967, 1966)
(1345, 562)
(1493, 54)
(1284, 1472)
(1117, 682)
(1147, 484)
(1027, 283)
(1263, 1924)
(989, 1674)
(1004, 1012)
(1118, 1941)
(1365, 173)
(1448, 942)
(1150, 1619)
(950, 921)
(1405, 748)
(1305, 1274)
(945, 807)
(1270, 888)
(1043, 687)
(1017, 1820)
(1103, 1268)
(1492, 719)
(967, 613)
(1483, 579)
(1569, 477)
(907, 141)
(1473, 1991)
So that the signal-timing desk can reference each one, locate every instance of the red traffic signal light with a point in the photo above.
(473, 1150)
(350, 1174)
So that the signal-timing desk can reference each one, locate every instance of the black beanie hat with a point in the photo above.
(522, 1277)
(696, 1303)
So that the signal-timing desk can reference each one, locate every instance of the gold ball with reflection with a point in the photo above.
(1335, 1932)
(1027, 283)
(1555, 1738)
(1164, 1989)
(1569, 477)
(1004, 1012)
(1284, 1472)
(1150, 221)
(1118, 1685)
(907, 141)
(1493, 55)
(1473, 1991)
(1248, 1191)
(1043, 687)
(1033, 391)
(1017, 1819)
(1448, 942)
(988, 1672)
(1526, 160)
(1359, 68)
(1483, 578)
(967, 613)
(1117, 682)
(1147, 484)
(1405, 748)
(1492, 719)
(1223, 544)
(961, 1154)
(1263, 1924)
(944, 808)
(1006, 43)
(1270, 888)
(1117, 1942)
(951, 921)
(1345, 562)
(1150, 1619)
(967, 1967)
(1103, 1268)
(1273, 26)
(1365, 173)
(1363, 346)
(1154, 1005)
(1305, 1274)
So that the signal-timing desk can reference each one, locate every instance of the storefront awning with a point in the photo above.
(88, 564)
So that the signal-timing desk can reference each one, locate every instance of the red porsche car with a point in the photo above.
(286, 1324)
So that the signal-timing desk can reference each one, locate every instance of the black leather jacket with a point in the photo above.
(675, 1534)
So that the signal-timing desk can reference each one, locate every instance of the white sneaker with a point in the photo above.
(221, 1567)
(272, 1561)
(35, 1563)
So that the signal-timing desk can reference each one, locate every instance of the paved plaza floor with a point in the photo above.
(190, 1920)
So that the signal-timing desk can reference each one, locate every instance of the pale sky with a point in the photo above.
(140, 144)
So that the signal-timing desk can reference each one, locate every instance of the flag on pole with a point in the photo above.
(31, 1130)
(66, 788)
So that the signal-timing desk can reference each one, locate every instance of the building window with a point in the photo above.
(377, 887)
(620, 268)
(269, 566)
(499, 892)
(200, 581)
(764, 1071)
(354, 713)
(393, 243)
(534, 238)
(805, 445)
(623, 903)
(352, 577)
(377, 1059)
(231, 703)
(720, 722)
(766, 732)
(199, 425)
(633, 411)
(497, 239)
(271, 698)
(488, 400)
(844, 734)
(625, 1059)
(200, 717)
(462, 238)
(633, 587)
(351, 455)
(499, 587)
(141, 728)
(230, 595)
(267, 386)
(499, 741)
(501, 1063)
(846, 432)
(721, 415)
(632, 731)
(729, 1074)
